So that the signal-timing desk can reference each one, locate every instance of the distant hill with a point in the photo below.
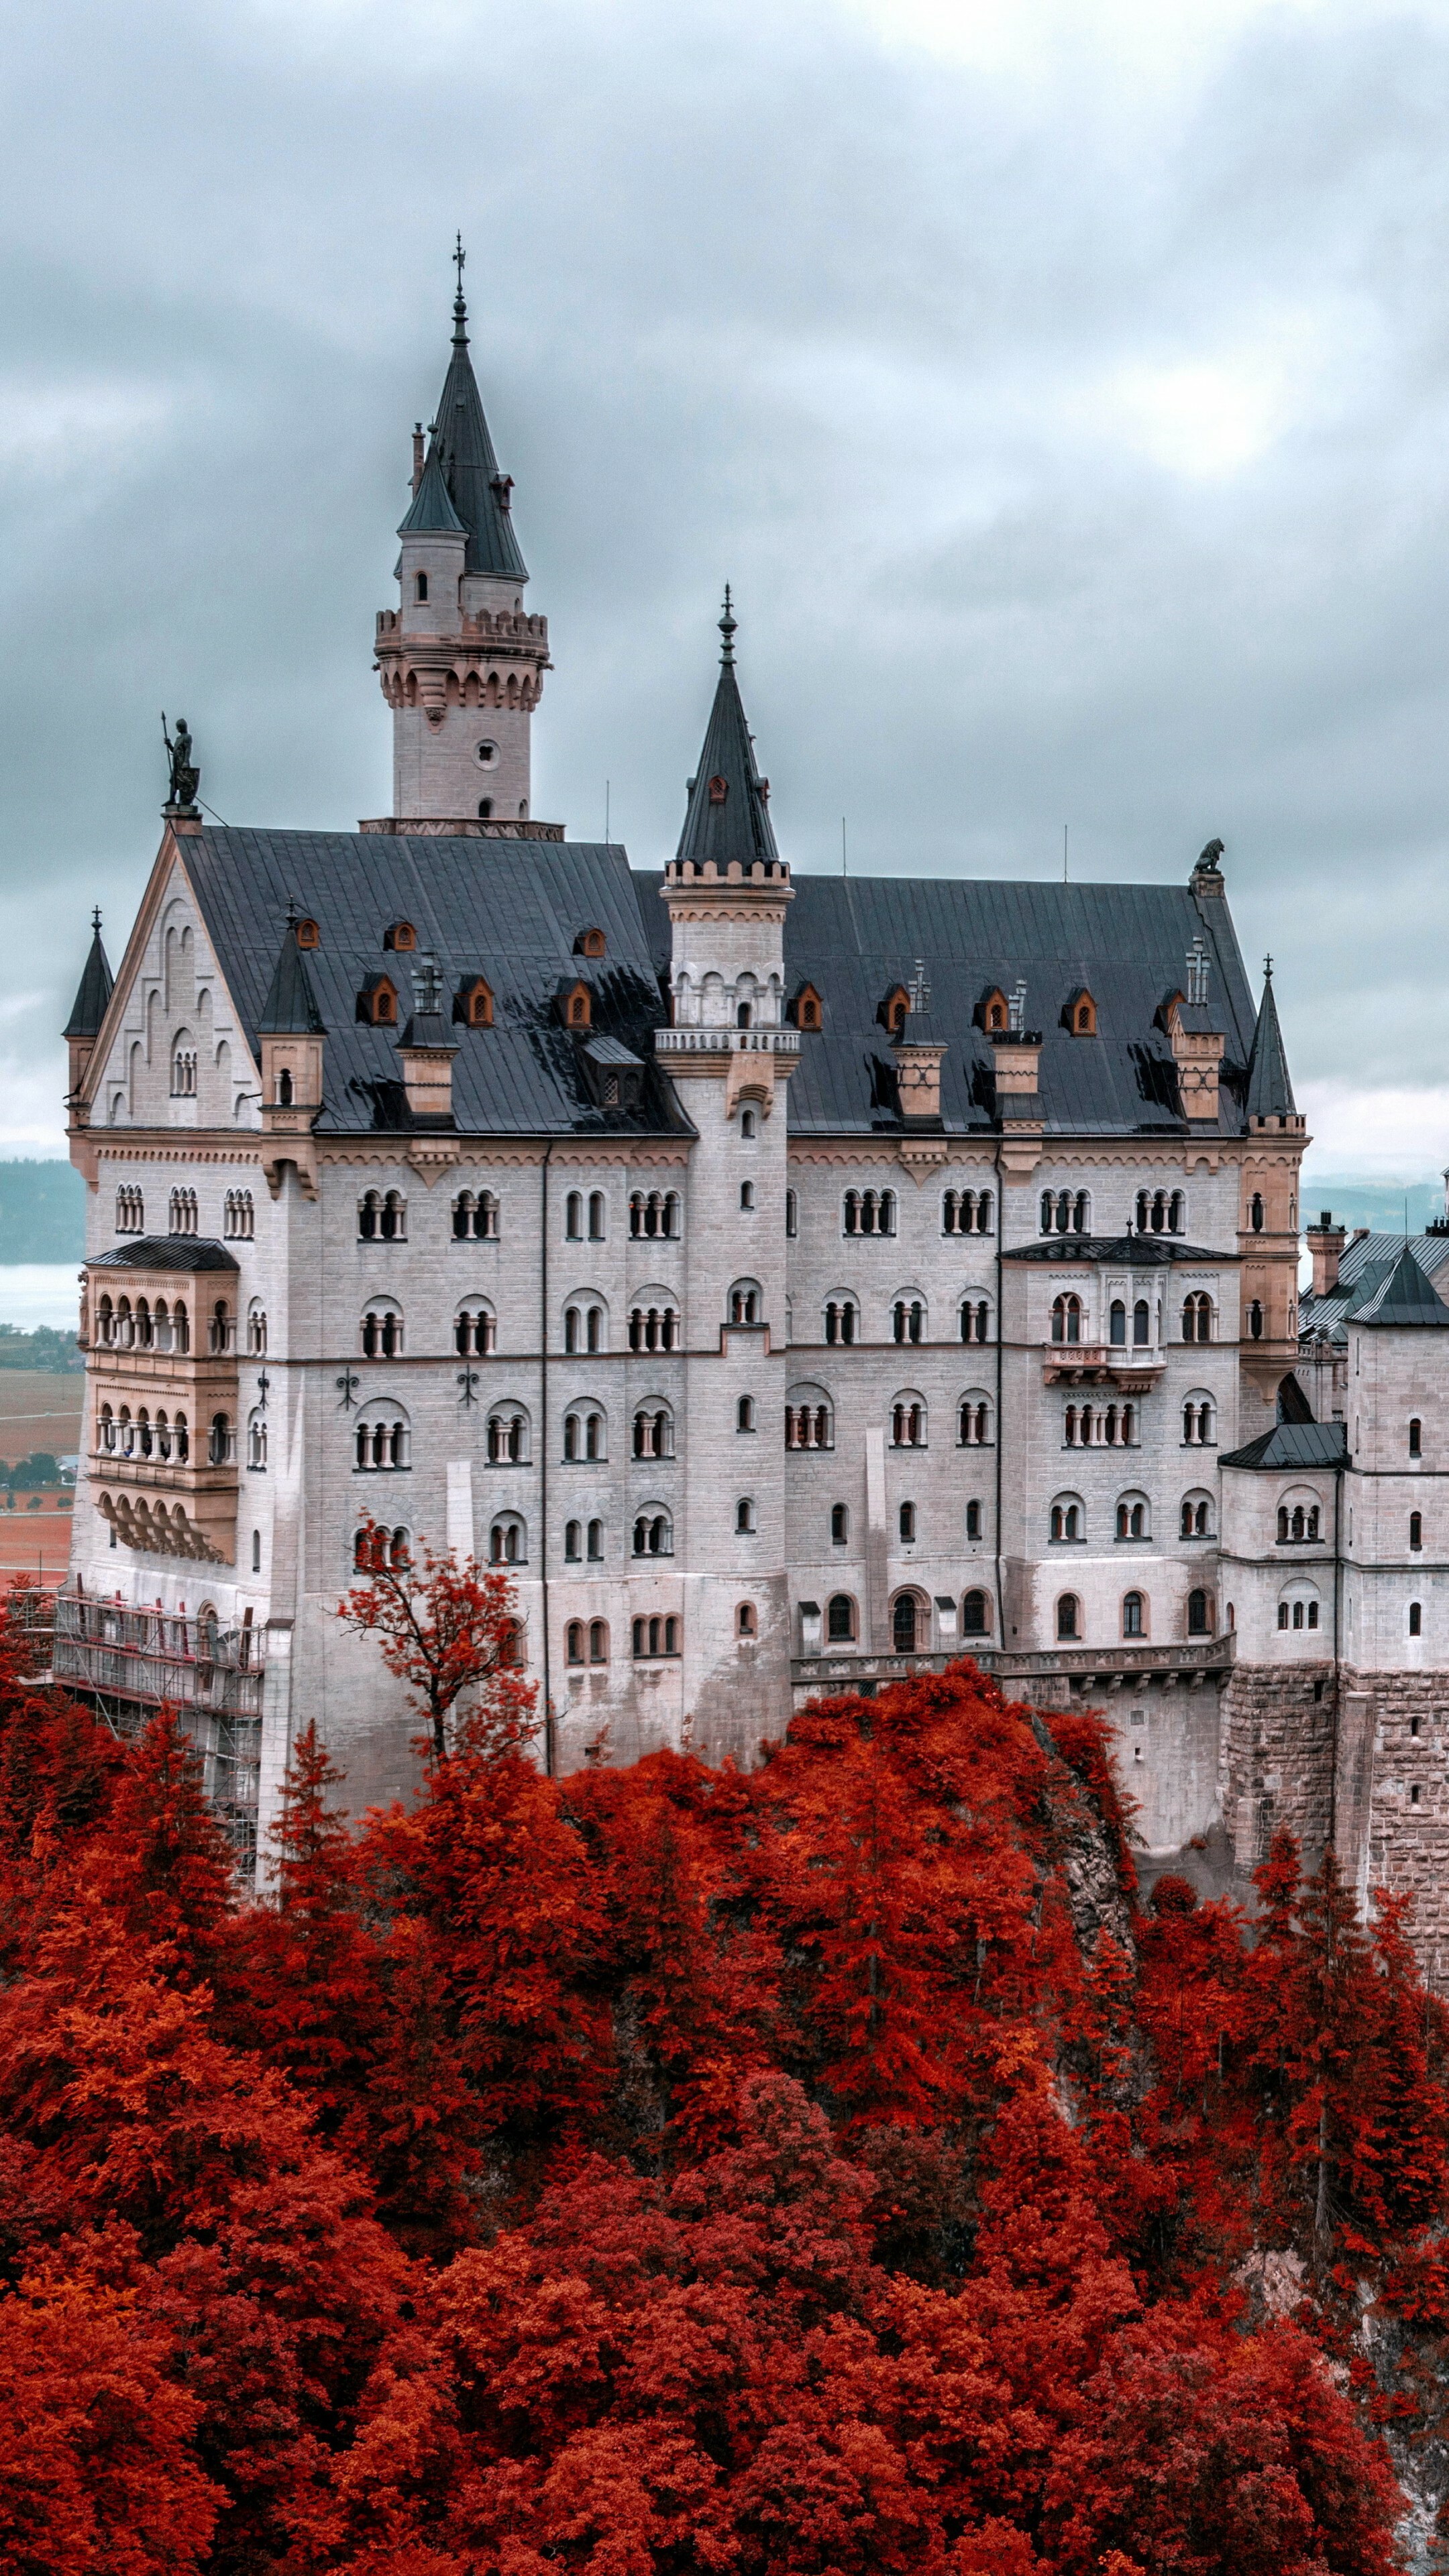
(42, 1212)
(1376, 1204)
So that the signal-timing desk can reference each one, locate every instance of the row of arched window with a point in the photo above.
(1134, 1616)
(1133, 1328)
(909, 1316)
(1132, 1518)
(239, 1218)
(910, 1619)
(122, 1434)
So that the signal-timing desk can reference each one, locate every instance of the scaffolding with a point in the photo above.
(126, 1661)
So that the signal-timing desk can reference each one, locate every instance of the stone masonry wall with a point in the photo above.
(1277, 1757)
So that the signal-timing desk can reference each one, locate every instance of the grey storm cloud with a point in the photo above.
(1076, 447)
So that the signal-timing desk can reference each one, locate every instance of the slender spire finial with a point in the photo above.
(727, 626)
(460, 309)
(96, 920)
(1268, 969)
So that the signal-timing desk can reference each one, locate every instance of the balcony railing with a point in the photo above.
(1132, 1366)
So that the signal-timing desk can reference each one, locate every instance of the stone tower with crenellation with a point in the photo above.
(460, 658)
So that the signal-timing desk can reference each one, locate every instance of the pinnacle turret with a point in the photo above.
(727, 818)
(1270, 1091)
(89, 1007)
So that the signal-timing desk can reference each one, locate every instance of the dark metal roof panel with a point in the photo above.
(165, 1252)
(508, 909)
(1293, 1444)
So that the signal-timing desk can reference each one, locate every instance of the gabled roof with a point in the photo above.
(1293, 1444)
(165, 1252)
(290, 1009)
(1404, 1297)
(477, 491)
(506, 910)
(1270, 1093)
(89, 1007)
(432, 513)
(727, 817)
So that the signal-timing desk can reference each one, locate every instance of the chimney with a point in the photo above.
(1325, 1242)
(417, 454)
(919, 1048)
(427, 1047)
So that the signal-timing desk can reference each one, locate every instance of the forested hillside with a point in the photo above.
(669, 2169)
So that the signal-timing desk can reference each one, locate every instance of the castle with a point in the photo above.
(794, 1281)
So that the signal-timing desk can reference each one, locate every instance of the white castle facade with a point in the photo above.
(794, 1282)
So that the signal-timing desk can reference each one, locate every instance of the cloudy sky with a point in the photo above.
(1062, 384)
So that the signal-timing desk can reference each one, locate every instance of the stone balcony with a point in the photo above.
(1130, 1369)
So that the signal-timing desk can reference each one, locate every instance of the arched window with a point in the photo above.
(475, 1217)
(1066, 1521)
(745, 1520)
(653, 1431)
(1141, 1324)
(1066, 1319)
(573, 1542)
(598, 1641)
(744, 1304)
(420, 586)
(597, 1214)
(966, 1212)
(906, 1524)
(1176, 1213)
(973, 1420)
(1069, 1616)
(475, 1329)
(1416, 1531)
(869, 1212)
(182, 1215)
(1133, 1620)
(1200, 1613)
(908, 1318)
(746, 1624)
(1199, 1420)
(1255, 1212)
(973, 1520)
(1134, 1519)
(378, 1550)
(382, 1217)
(584, 1434)
(220, 1339)
(841, 1318)
(508, 1436)
(221, 1442)
(183, 1068)
(381, 1329)
(574, 1227)
(574, 1635)
(654, 1327)
(284, 1088)
(975, 1319)
(655, 1637)
(908, 1422)
(745, 1413)
(584, 1328)
(1416, 1438)
(1255, 1320)
(748, 1122)
(654, 1214)
(976, 1613)
(130, 1211)
(909, 1619)
(1416, 1619)
(239, 1217)
(257, 1441)
(809, 1421)
(653, 1532)
(256, 1330)
(1197, 1317)
(1196, 1517)
(1117, 1323)
(508, 1540)
(839, 1619)
(380, 1439)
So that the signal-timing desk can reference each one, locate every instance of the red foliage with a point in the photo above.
(820, 2168)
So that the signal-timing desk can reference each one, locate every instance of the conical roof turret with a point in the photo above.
(728, 815)
(290, 1009)
(463, 452)
(1270, 1092)
(89, 1007)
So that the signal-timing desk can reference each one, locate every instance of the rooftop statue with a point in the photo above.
(185, 776)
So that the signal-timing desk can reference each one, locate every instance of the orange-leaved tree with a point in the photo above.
(448, 1627)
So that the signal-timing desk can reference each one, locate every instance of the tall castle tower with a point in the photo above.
(460, 659)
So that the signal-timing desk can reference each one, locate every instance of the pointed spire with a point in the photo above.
(728, 815)
(1406, 1296)
(477, 491)
(1270, 1092)
(431, 513)
(290, 1009)
(89, 1007)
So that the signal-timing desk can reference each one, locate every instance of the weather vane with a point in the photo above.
(459, 256)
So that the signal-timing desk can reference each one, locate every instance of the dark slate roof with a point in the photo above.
(1126, 1251)
(432, 513)
(1293, 1444)
(165, 1252)
(1404, 1297)
(290, 1009)
(1363, 1269)
(1270, 1092)
(855, 938)
(509, 910)
(476, 489)
(89, 1007)
(736, 825)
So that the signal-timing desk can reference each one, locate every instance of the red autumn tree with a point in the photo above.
(448, 1628)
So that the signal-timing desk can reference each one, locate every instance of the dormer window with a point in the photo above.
(895, 1010)
(400, 934)
(576, 1006)
(807, 1010)
(377, 1002)
(308, 934)
(719, 789)
(473, 1004)
(422, 586)
(590, 943)
(995, 1012)
(1080, 1015)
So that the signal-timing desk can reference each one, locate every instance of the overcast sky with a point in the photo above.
(1063, 388)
